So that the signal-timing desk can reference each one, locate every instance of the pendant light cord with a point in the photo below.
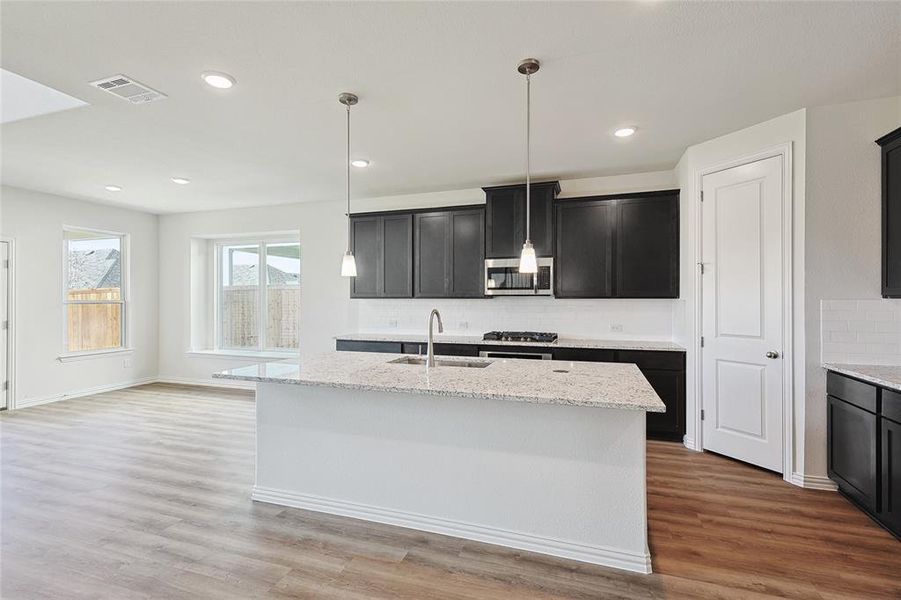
(347, 163)
(528, 156)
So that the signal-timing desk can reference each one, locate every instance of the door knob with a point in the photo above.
(772, 354)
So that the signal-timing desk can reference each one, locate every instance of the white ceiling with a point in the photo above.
(441, 105)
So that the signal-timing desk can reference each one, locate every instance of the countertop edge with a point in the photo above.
(446, 393)
(854, 371)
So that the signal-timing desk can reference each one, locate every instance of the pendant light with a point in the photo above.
(348, 264)
(527, 260)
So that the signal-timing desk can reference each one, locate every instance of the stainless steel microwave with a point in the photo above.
(502, 278)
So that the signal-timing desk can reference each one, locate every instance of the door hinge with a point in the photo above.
(4, 325)
(702, 195)
(5, 386)
(6, 263)
(702, 341)
(702, 414)
(701, 266)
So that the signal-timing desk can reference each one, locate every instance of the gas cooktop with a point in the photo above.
(520, 336)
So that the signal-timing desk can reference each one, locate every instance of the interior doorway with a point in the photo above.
(745, 262)
(5, 323)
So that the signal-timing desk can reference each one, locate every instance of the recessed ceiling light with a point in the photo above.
(223, 81)
(360, 162)
(624, 132)
(113, 188)
(181, 180)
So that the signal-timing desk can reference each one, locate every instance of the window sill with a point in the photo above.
(73, 356)
(239, 354)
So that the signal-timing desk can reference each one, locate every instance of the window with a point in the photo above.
(94, 298)
(258, 296)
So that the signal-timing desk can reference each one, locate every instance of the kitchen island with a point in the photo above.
(545, 456)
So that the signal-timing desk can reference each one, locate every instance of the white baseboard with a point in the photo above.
(28, 402)
(813, 482)
(689, 443)
(598, 555)
(221, 383)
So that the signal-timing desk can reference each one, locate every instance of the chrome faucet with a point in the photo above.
(430, 360)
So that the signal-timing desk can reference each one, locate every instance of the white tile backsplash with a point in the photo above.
(861, 331)
(607, 319)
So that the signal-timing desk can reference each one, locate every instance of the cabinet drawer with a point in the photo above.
(584, 354)
(851, 391)
(647, 359)
(891, 405)
(360, 346)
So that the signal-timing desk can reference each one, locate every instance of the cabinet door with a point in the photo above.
(397, 256)
(851, 451)
(891, 216)
(584, 258)
(670, 386)
(366, 245)
(890, 511)
(431, 255)
(504, 219)
(365, 346)
(468, 254)
(542, 218)
(647, 247)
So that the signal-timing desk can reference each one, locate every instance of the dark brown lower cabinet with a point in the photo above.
(852, 451)
(864, 446)
(890, 512)
(664, 370)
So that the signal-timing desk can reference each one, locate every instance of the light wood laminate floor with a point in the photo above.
(143, 493)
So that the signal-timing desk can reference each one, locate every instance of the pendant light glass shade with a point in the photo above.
(348, 265)
(527, 261)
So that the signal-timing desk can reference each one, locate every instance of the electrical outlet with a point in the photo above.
(616, 327)
(127, 363)
(392, 323)
(463, 325)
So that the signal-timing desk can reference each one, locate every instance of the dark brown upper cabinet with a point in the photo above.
(505, 218)
(623, 246)
(383, 249)
(891, 213)
(449, 253)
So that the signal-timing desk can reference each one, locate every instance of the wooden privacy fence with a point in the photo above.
(239, 316)
(94, 326)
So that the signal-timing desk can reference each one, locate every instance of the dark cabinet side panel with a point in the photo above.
(397, 263)
(891, 216)
(364, 346)
(670, 386)
(366, 246)
(468, 256)
(851, 451)
(647, 247)
(431, 254)
(583, 266)
(890, 511)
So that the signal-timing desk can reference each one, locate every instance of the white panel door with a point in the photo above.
(742, 312)
(4, 324)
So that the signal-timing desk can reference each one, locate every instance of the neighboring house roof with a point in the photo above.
(92, 269)
(247, 275)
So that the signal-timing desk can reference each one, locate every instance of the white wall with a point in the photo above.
(788, 128)
(35, 222)
(327, 310)
(843, 218)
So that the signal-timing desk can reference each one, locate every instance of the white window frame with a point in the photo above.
(125, 275)
(263, 298)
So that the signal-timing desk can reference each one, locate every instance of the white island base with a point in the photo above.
(557, 479)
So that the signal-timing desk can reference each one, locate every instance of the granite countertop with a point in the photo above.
(562, 342)
(885, 375)
(597, 385)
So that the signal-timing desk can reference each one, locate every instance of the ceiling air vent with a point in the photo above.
(128, 89)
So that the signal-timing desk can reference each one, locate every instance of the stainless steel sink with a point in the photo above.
(441, 362)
